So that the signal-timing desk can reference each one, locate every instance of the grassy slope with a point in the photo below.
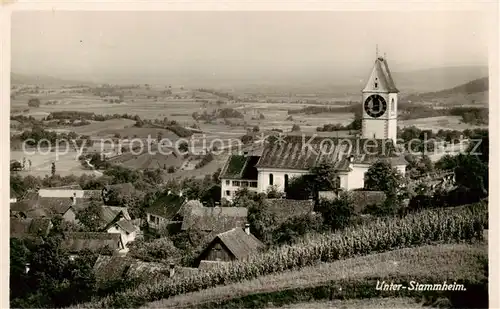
(370, 303)
(452, 261)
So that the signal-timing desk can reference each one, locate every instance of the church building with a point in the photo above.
(286, 157)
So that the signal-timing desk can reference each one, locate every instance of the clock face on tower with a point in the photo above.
(375, 106)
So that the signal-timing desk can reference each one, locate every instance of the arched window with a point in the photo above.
(271, 179)
(337, 183)
(286, 181)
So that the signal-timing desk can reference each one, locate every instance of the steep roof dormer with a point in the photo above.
(380, 79)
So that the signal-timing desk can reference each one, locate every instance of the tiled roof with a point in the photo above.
(21, 228)
(94, 194)
(167, 206)
(75, 242)
(24, 205)
(239, 243)
(240, 167)
(215, 219)
(127, 226)
(117, 267)
(56, 205)
(69, 187)
(303, 153)
(287, 208)
(38, 213)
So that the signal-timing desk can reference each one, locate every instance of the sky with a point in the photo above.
(134, 46)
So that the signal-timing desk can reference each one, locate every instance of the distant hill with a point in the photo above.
(436, 79)
(474, 92)
(22, 79)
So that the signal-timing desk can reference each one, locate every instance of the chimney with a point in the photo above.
(74, 198)
(172, 270)
(247, 229)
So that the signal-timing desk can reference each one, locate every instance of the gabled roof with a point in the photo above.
(56, 205)
(240, 167)
(21, 228)
(94, 194)
(303, 153)
(239, 243)
(215, 219)
(117, 267)
(384, 78)
(287, 208)
(69, 187)
(166, 206)
(127, 226)
(75, 242)
(23, 205)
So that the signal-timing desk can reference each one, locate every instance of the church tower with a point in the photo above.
(380, 103)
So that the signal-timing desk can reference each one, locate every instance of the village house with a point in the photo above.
(63, 191)
(165, 211)
(29, 228)
(75, 242)
(213, 220)
(286, 157)
(117, 220)
(45, 207)
(236, 244)
(107, 268)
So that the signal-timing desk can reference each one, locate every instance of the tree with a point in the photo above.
(381, 176)
(34, 102)
(255, 129)
(295, 128)
(300, 188)
(16, 166)
(53, 169)
(324, 178)
(337, 213)
(472, 173)
(89, 217)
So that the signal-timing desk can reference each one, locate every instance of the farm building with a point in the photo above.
(25, 228)
(235, 244)
(165, 211)
(117, 220)
(64, 191)
(286, 157)
(45, 207)
(214, 220)
(94, 241)
(116, 267)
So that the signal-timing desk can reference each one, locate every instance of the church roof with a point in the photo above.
(304, 153)
(383, 74)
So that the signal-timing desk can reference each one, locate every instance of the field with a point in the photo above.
(370, 303)
(453, 261)
(438, 123)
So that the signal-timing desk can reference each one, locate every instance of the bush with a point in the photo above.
(464, 223)
(34, 102)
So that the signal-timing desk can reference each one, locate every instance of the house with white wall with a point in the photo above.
(286, 157)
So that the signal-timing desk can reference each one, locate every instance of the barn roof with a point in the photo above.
(287, 208)
(77, 241)
(117, 267)
(240, 167)
(68, 187)
(166, 206)
(304, 153)
(214, 219)
(21, 228)
(94, 194)
(239, 243)
(56, 205)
